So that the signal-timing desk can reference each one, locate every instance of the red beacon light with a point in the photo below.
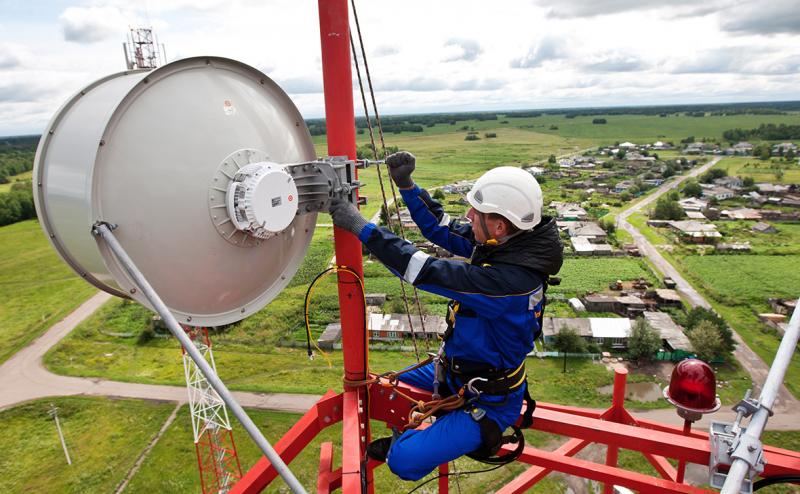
(693, 389)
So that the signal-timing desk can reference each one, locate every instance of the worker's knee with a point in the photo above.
(404, 463)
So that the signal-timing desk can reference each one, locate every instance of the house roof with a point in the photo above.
(552, 325)
(669, 331)
(668, 294)
(610, 327)
(763, 227)
(695, 215)
(586, 230)
(691, 226)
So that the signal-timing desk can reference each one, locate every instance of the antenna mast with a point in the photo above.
(142, 51)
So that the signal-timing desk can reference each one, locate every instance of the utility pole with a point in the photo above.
(53, 412)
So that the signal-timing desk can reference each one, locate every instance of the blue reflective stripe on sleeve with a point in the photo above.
(366, 232)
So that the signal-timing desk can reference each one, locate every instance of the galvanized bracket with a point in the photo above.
(729, 442)
(321, 180)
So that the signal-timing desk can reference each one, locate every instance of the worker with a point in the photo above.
(494, 315)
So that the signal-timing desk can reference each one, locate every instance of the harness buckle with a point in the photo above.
(471, 385)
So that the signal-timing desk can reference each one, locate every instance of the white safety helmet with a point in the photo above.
(510, 192)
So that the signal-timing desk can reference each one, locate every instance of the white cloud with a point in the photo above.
(549, 48)
(461, 49)
(766, 18)
(385, 51)
(92, 24)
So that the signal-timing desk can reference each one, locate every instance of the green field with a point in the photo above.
(36, 287)
(22, 177)
(104, 437)
(761, 171)
(738, 287)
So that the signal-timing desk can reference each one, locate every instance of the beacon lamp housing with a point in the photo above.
(692, 389)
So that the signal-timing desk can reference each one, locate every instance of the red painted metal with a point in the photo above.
(687, 428)
(645, 484)
(325, 467)
(534, 474)
(444, 479)
(326, 412)
(340, 123)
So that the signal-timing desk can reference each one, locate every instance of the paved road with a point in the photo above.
(751, 362)
(23, 377)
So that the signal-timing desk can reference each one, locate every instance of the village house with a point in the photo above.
(660, 146)
(740, 214)
(729, 182)
(743, 149)
(623, 186)
(591, 230)
(783, 148)
(460, 187)
(389, 328)
(762, 227)
(693, 204)
(696, 231)
(718, 193)
(667, 297)
(733, 247)
(582, 246)
(782, 305)
(624, 305)
(569, 211)
(535, 170)
(791, 201)
(672, 335)
(695, 215)
(768, 189)
(614, 331)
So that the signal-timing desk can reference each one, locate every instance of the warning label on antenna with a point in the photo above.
(228, 108)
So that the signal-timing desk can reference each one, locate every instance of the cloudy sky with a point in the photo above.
(425, 56)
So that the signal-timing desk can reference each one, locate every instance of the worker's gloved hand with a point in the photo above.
(345, 215)
(401, 166)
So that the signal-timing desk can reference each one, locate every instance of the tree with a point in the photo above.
(698, 315)
(692, 189)
(667, 209)
(438, 195)
(644, 341)
(748, 181)
(706, 341)
(568, 341)
(763, 151)
(621, 154)
(551, 159)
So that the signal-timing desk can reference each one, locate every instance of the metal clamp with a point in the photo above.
(729, 442)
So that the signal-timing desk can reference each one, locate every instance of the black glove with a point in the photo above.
(401, 166)
(345, 215)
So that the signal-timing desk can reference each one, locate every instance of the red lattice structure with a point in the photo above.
(615, 427)
(217, 459)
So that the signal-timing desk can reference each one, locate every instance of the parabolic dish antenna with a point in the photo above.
(188, 161)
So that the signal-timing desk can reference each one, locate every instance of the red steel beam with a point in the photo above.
(325, 466)
(624, 436)
(326, 412)
(444, 479)
(645, 484)
(534, 474)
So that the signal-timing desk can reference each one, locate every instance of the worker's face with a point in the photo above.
(494, 228)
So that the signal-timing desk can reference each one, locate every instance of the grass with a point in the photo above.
(36, 286)
(583, 275)
(104, 437)
(761, 171)
(22, 177)
(738, 288)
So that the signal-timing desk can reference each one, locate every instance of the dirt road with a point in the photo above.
(751, 362)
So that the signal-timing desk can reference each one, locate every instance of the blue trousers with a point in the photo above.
(416, 453)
